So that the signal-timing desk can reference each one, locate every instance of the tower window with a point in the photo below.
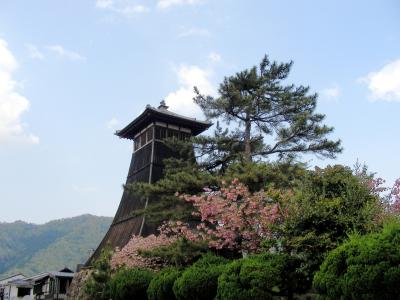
(142, 139)
(137, 143)
(149, 134)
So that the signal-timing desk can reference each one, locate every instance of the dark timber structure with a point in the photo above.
(147, 131)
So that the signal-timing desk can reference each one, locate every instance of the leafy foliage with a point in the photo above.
(180, 253)
(31, 249)
(130, 284)
(232, 218)
(365, 267)
(261, 105)
(97, 286)
(199, 282)
(331, 204)
(261, 277)
(161, 285)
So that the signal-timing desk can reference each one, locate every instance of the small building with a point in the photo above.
(51, 285)
(47, 285)
(15, 287)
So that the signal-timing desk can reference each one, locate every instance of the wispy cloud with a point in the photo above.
(104, 3)
(164, 4)
(123, 7)
(65, 53)
(112, 123)
(193, 31)
(385, 83)
(331, 93)
(34, 52)
(12, 104)
(181, 100)
(214, 57)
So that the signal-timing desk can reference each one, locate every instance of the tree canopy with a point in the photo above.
(271, 117)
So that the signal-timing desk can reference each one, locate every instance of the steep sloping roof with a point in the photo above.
(10, 278)
(21, 283)
(162, 114)
(50, 274)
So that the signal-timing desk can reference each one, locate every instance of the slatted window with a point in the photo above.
(143, 139)
(162, 133)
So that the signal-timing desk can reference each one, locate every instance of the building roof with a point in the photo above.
(21, 283)
(7, 280)
(50, 274)
(162, 114)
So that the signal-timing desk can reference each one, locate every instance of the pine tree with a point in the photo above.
(261, 105)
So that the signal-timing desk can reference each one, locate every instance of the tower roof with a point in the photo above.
(161, 114)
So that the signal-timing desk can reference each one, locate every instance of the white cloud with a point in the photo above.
(181, 100)
(12, 104)
(112, 123)
(331, 93)
(64, 53)
(104, 3)
(34, 52)
(189, 32)
(214, 57)
(385, 83)
(126, 8)
(164, 4)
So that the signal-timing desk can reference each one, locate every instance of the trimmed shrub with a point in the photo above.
(200, 281)
(262, 276)
(364, 267)
(130, 284)
(329, 204)
(160, 287)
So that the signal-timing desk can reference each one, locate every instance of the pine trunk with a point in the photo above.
(247, 144)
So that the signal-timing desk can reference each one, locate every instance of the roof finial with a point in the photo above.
(163, 105)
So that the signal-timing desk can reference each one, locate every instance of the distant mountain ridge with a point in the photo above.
(30, 248)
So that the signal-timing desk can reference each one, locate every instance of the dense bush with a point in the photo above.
(365, 267)
(130, 284)
(331, 203)
(261, 276)
(97, 286)
(199, 282)
(160, 287)
(179, 253)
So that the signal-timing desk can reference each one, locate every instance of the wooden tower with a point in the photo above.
(147, 131)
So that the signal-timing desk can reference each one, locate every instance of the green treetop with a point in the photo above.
(262, 105)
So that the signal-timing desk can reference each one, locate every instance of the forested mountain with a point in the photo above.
(31, 248)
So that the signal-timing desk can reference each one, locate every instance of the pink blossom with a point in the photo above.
(232, 217)
(129, 255)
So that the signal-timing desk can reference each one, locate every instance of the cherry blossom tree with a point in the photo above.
(232, 217)
(129, 256)
(389, 197)
(394, 196)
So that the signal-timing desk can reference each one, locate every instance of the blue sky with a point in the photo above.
(72, 72)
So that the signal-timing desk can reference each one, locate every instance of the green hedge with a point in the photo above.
(261, 277)
(160, 287)
(365, 267)
(130, 284)
(200, 281)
